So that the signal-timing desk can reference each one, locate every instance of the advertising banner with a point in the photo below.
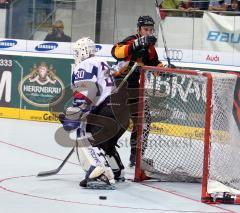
(38, 89)
(104, 50)
(13, 44)
(49, 47)
(220, 33)
(43, 86)
(9, 98)
(212, 57)
(175, 55)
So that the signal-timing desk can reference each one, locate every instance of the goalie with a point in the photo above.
(106, 117)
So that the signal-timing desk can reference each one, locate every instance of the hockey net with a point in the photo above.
(191, 134)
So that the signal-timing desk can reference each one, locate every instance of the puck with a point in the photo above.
(103, 197)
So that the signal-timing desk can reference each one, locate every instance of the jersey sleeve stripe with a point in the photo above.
(78, 95)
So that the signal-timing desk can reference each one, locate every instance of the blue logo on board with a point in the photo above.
(223, 37)
(46, 46)
(98, 47)
(7, 43)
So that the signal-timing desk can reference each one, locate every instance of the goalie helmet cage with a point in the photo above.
(192, 136)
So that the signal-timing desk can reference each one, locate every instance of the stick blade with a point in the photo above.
(47, 173)
(55, 171)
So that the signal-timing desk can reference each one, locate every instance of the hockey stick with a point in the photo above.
(125, 78)
(55, 171)
(162, 32)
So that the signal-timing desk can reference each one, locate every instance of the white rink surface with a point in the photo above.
(28, 147)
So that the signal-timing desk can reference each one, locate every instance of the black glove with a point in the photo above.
(171, 66)
(143, 42)
(168, 74)
(151, 40)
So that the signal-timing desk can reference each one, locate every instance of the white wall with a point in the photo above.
(178, 32)
(124, 23)
(83, 19)
(2, 22)
(66, 16)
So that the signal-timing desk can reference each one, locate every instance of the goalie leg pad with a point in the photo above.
(93, 162)
(101, 183)
(88, 158)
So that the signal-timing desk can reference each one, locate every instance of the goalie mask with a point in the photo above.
(83, 49)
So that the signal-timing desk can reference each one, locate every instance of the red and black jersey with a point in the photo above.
(123, 51)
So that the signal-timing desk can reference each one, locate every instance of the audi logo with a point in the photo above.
(174, 54)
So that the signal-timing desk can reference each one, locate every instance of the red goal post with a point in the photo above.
(191, 135)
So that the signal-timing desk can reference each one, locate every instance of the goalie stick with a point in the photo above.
(55, 171)
(125, 78)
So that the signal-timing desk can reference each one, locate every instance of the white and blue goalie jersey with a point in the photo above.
(92, 79)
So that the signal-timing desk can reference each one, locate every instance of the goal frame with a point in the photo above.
(140, 175)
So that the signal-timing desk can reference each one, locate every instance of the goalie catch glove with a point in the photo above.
(143, 42)
(72, 117)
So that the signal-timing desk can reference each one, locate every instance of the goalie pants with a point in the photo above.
(108, 122)
(131, 88)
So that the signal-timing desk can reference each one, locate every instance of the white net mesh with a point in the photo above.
(174, 149)
(225, 138)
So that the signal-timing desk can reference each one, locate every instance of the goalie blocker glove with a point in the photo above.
(143, 42)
